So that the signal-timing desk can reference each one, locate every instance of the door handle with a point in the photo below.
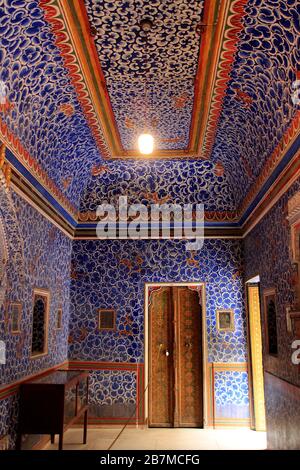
(166, 353)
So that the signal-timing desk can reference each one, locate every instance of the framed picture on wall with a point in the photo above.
(106, 319)
(16, 314)
(59, 319)
(225, 320)
(270, 316)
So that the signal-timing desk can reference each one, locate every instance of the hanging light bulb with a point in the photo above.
(146, 140)
(146, 144)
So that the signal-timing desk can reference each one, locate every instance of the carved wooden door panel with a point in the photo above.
(161, 337)
(188, 359)
(175, 358)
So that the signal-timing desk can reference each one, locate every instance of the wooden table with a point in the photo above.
(52, 403)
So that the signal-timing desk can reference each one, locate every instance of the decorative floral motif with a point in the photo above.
(44, 113)
(47, 120)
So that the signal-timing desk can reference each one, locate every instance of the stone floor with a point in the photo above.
(164, 439)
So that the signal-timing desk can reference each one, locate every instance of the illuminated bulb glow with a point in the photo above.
(146, 144)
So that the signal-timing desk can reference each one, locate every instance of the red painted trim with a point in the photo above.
(28, 161)
(62, 42)
(281, 184)
(12, 389)
(97, 65)
(227, 57)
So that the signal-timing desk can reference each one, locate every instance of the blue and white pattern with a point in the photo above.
(257, 111)
(46, 265)
(174, 181)
(265, 68)
(112, 274)
(112, 393)
(268, 254)
(122, 267)
(42, 261)
(231, 394)
(145, 81)
(270, 241)
(37, 85)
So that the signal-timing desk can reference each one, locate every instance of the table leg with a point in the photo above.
(52, 438)
(19, 441)
(85, 427)
(61, 440)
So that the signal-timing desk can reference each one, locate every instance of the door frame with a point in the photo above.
(255, 359)
(204, 340)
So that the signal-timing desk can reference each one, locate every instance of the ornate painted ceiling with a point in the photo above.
(213, 83)
(149, 76)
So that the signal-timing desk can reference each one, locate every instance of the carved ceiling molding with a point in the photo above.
(209, 216)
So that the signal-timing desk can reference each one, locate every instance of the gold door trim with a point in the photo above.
(256, 357)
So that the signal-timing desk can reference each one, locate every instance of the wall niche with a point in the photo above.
(270, 322)
(40, 318)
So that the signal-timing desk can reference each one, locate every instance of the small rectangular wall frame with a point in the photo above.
(16, 315)
(225, 320)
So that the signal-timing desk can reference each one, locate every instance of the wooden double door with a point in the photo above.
(175, 358)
